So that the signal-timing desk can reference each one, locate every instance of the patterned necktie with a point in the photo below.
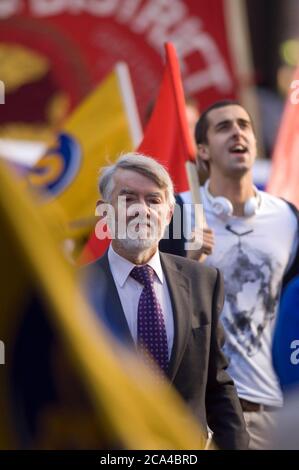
(151, 331)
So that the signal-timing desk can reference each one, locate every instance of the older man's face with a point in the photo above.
(141, 209)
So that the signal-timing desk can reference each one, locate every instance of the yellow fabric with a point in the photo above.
(100, 126)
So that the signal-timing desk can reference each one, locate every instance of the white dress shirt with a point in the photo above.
(129, 291)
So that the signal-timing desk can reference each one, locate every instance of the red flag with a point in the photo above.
(167, 138)
(284, 176)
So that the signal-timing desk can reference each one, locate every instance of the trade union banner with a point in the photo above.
(54, 52)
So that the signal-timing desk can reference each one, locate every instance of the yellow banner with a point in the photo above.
(96, 132)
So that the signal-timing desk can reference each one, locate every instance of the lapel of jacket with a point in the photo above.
(179, 291)
(107, 302)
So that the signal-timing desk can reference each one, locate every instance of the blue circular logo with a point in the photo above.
(59, 166)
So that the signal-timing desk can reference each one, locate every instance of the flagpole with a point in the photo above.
(128, 96)
(194, 186)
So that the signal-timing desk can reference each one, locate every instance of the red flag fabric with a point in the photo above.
(284, 178)
(167, 138)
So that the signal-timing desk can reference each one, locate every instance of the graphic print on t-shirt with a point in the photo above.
(252, 293)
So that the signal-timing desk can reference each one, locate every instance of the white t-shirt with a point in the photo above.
(253, 261)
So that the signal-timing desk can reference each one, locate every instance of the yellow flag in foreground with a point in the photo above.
(65, 382)
(105, 124)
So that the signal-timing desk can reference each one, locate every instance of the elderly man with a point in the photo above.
(166, 306)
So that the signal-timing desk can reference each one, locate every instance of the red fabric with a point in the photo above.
(81, 45)
(166, 138)
(93, 249)
(284, 178)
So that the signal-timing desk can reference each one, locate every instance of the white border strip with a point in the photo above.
(24, 152)
(127, 93)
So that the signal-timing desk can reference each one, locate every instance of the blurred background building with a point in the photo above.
(274, 38)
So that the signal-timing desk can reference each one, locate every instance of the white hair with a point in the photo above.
(141, 164)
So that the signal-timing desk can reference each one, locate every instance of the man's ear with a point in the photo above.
(170, 214)
(100, 209)
(203, 152)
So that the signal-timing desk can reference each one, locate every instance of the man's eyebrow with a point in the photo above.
(244, 120)
(154, 194)
(127, 191)
(130, 192)
(228, 121)
(220, 123)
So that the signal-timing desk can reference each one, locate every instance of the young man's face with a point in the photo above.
(145, 211)
(231, 143)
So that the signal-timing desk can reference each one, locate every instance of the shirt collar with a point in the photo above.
(121, 267)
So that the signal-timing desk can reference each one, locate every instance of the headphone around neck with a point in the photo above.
(222, 207)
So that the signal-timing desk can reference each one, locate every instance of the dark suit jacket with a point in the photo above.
(197, 364)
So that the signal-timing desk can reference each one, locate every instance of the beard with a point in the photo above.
(138, 244)
(141, 236)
